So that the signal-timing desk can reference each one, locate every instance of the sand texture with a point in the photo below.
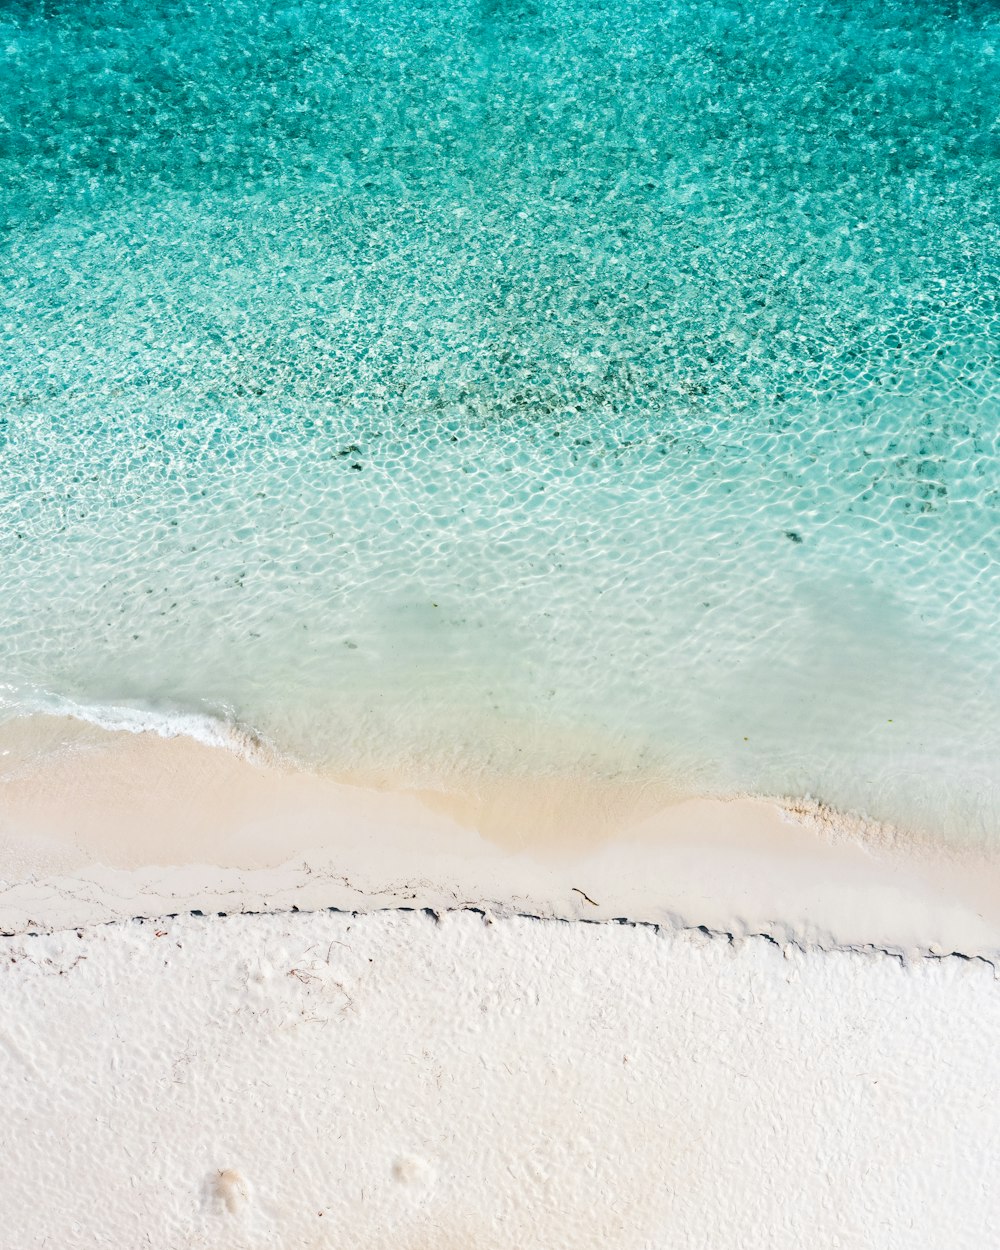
(394, 1082)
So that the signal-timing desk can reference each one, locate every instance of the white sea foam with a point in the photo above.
(213, 730)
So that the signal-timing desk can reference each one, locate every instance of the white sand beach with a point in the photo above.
(398, 1081)
(499, 676)
(776, 1030)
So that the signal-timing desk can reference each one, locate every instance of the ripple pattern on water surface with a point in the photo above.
(514, 385)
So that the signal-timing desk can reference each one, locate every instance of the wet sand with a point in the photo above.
(99, 825)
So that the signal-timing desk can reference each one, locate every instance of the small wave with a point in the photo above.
(211, 729)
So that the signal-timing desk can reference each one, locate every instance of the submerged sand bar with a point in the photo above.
(98, 825)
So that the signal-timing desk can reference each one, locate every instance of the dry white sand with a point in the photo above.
(384, 1081)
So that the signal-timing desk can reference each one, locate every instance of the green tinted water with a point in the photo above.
(520, 386)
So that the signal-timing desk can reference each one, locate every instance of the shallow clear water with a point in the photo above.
(528, 386)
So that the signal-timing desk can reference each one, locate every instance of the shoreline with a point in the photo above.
(99, 825)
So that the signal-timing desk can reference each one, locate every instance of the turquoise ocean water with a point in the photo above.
(515, 385)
